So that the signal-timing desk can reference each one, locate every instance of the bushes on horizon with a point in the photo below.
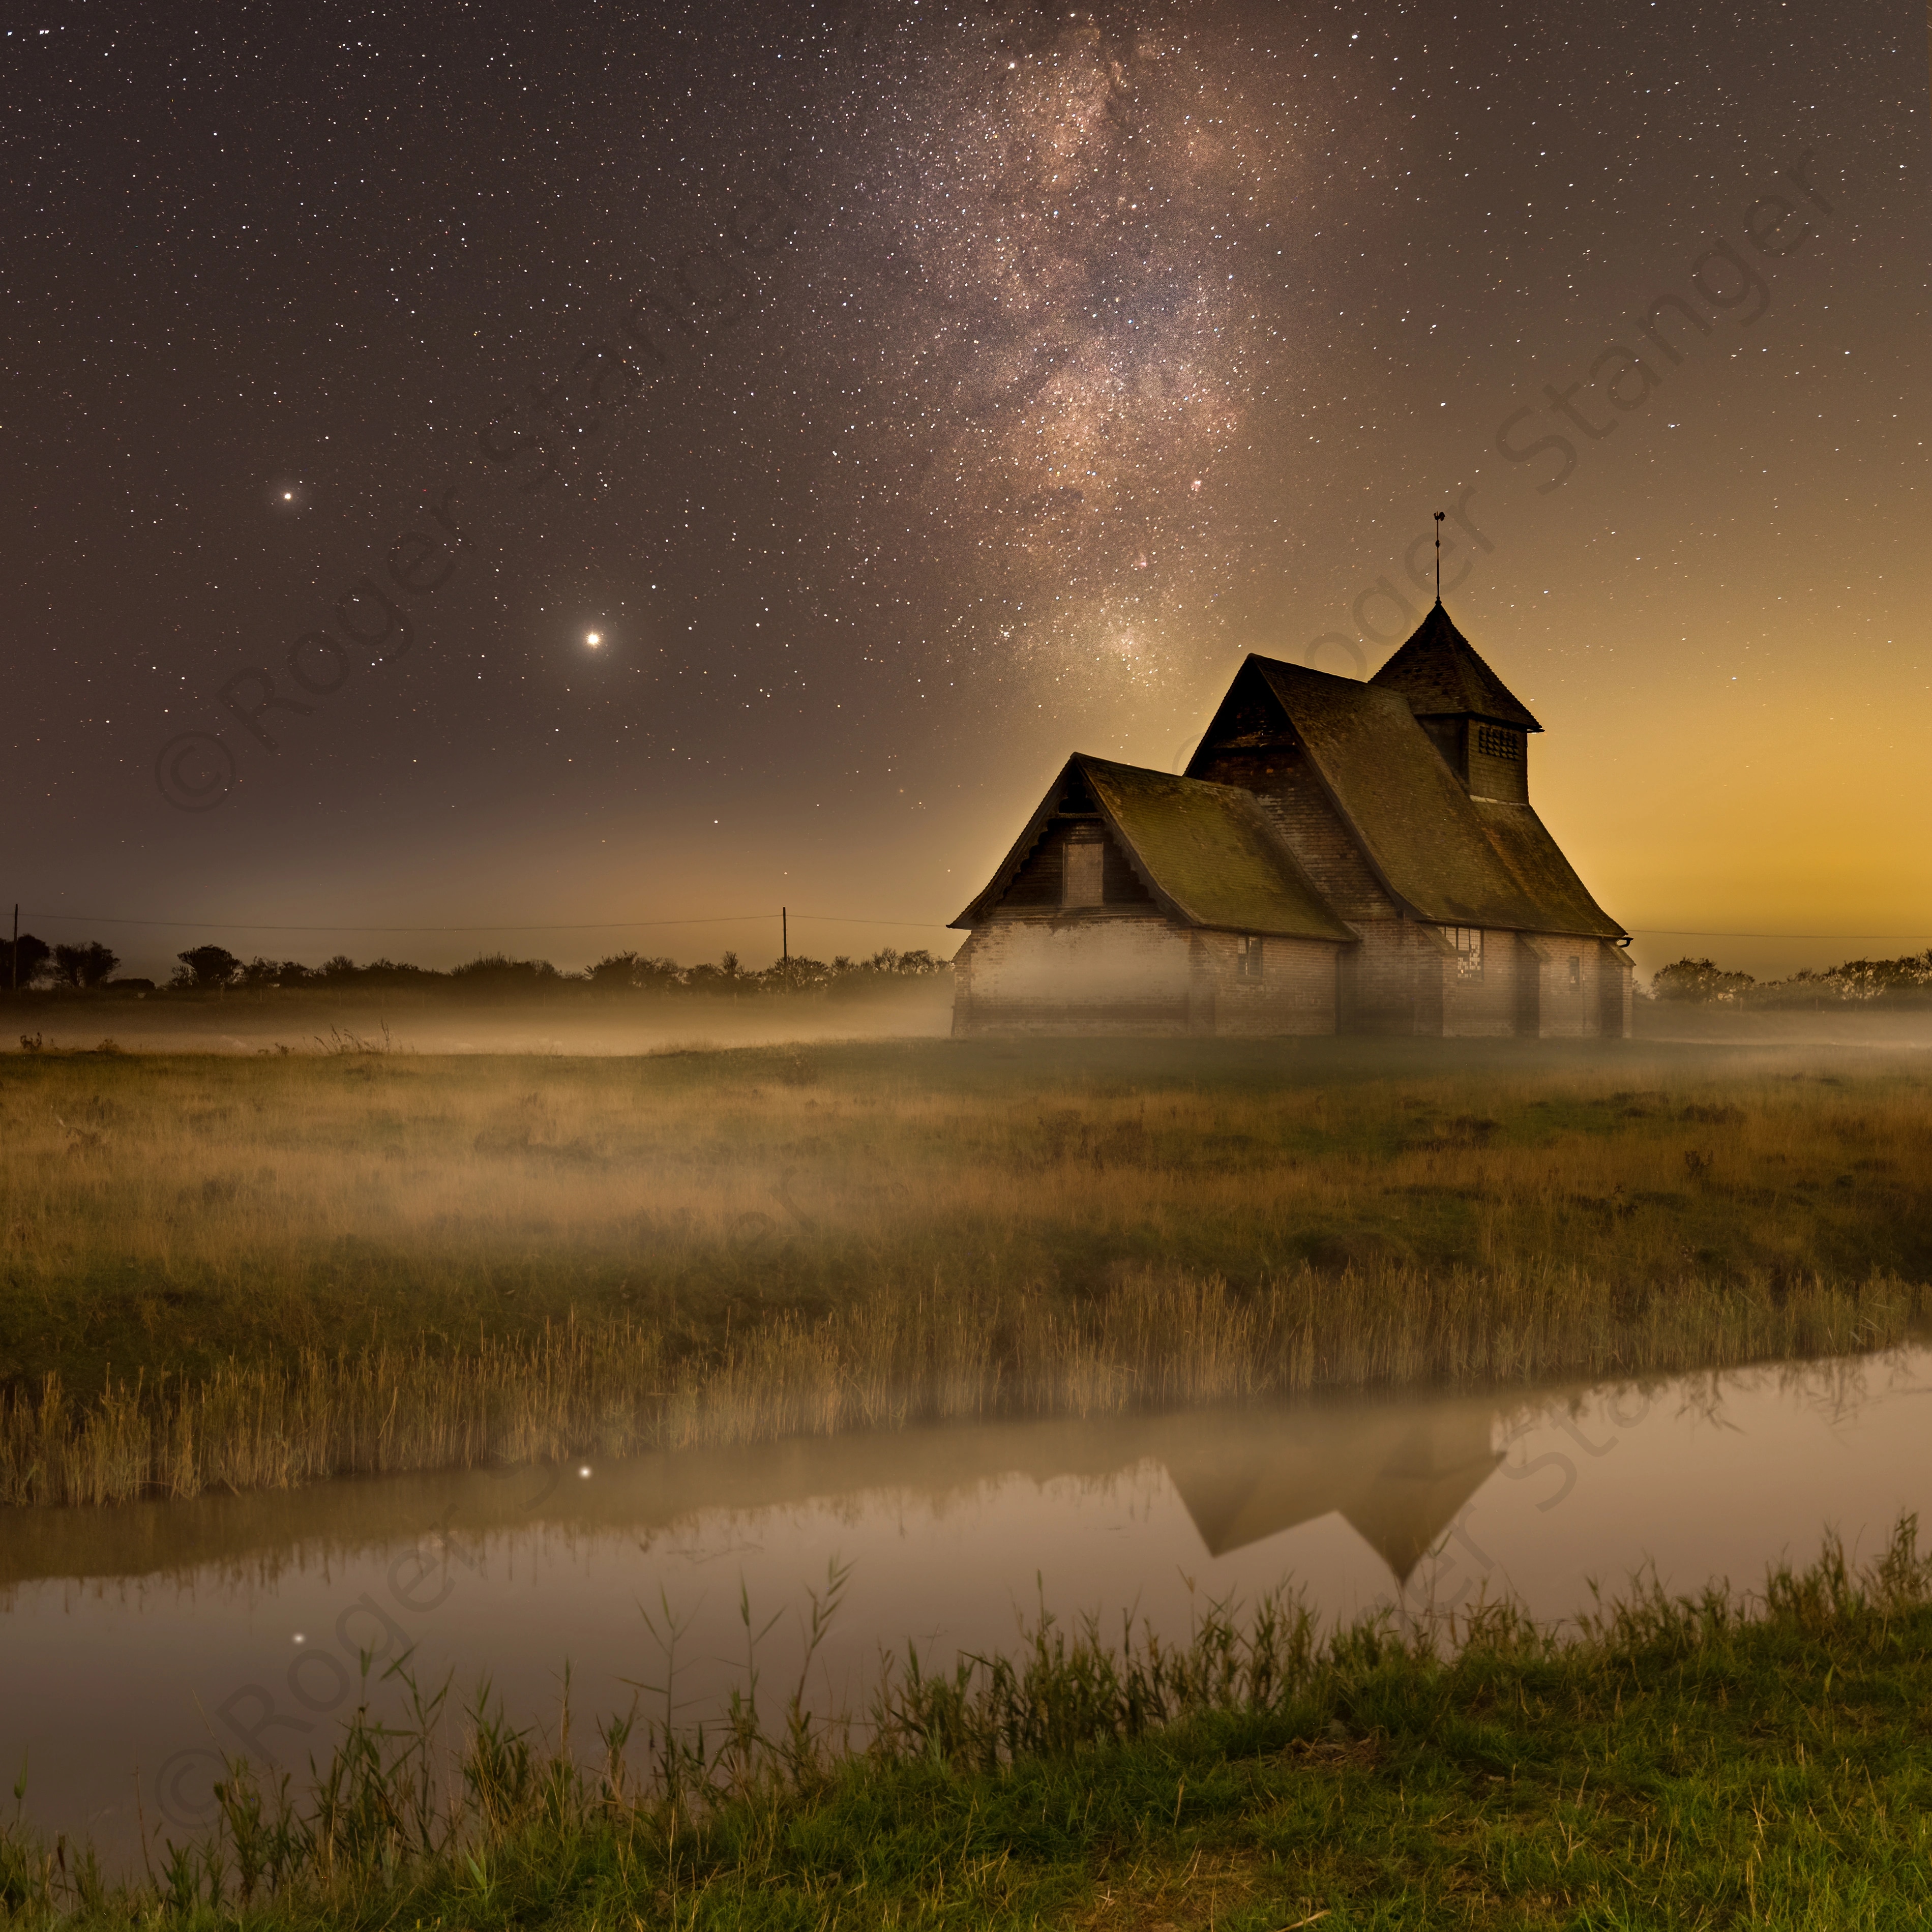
(1703, 981)
(494, 972)
(1906, 981)
(85, 965)
(202, 966)
(22, 961)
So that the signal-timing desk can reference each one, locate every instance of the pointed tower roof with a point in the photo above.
(1440, 673)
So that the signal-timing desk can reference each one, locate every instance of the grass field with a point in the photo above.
(258, 1269)
(1675, 1763)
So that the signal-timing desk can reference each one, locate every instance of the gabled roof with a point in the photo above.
(1441, 674)
(1206, 852)
(1443, 857)
(1523, 843)
(1398, 1477)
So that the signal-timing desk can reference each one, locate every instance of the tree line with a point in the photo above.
(1903, 982)
(30, 963)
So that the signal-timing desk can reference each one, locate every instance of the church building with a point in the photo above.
(1339, 857)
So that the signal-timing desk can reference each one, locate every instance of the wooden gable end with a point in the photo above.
(1058, 874)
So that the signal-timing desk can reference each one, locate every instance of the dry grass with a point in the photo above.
(251, 1273)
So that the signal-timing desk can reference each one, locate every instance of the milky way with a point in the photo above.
(1065, 318)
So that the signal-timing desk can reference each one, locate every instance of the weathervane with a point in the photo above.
(1438, 556)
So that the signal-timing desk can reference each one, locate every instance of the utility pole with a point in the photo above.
(14, 958)
(784, 940)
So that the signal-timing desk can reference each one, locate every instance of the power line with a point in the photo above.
(1700, 932)
(585, 925)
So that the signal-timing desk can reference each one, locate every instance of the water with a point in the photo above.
(138, 1644)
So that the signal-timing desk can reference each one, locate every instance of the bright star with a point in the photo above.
(593, 638)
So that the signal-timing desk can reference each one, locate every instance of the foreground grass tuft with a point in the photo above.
(1673, 1762)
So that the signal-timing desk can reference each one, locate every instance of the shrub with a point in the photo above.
(85, 965)
(22, 962)
(1701, 981)
(202, 966)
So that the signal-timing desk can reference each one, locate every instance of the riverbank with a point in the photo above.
(249, 1272)
(1671, 1762)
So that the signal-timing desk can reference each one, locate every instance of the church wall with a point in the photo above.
(1618, 978)
(1486, 1009)
(1393, 982)
(1314, 833)
(1107, 973)
(1568, 1011)
(1104, 973)
(1528, 968)
(1490, 777)
(1296, 993)
(1448, 736)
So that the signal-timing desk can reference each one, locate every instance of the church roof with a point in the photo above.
(1439, 671)
(1536, 861)
(1206, 852)
(1450, 859)
(1397, 1474)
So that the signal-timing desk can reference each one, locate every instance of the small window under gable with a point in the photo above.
(1083, 863)
(1575, 973)
(1467, 941)
(1248, 956)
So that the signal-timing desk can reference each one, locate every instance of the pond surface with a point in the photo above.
(137, 1644)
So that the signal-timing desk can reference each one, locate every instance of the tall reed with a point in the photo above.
(616, 1386)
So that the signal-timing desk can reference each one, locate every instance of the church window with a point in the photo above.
(1575, 973)
(1467, 941)
(1493, 741)
(1083, 865)
(1248, 957)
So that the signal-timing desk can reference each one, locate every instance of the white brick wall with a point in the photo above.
(1106, 972)
(1111, 974)
(1114, 973)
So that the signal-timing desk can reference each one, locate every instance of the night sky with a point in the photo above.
(906, 395)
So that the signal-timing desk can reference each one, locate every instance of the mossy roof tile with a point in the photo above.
(1206, 852)
(1210, 852)
(1446, 857)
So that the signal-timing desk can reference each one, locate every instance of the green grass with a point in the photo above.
(240, 1269)
(1674, 1762)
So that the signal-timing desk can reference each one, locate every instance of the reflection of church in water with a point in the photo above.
(1399, 1472)
(1398, 1476)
